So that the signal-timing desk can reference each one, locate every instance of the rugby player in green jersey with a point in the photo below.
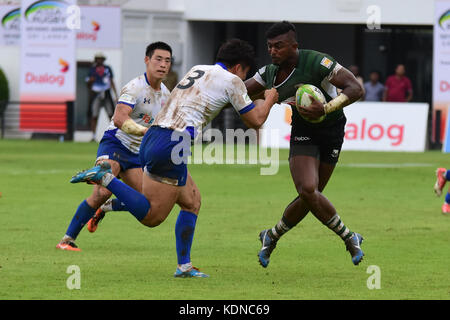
(314, 146)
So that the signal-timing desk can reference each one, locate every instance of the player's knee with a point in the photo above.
(152, 222)
(307, 192)
(192, 204)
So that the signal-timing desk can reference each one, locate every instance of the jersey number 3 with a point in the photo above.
(191, 79)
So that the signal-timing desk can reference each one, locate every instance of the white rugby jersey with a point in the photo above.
(146, 103)
(200, 96)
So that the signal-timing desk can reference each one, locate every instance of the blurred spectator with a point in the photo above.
(355, 70)
(398, 87)
(374, 88)
(100, 82)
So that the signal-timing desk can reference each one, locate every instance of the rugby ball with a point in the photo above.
(302, 99)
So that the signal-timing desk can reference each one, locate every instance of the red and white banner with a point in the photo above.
(371, 126)
(384, 126)
(100, 27)
(48, 65)
(9, 25)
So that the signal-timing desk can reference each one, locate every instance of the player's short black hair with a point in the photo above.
(157, 45)
(280, 28)
(236, 51)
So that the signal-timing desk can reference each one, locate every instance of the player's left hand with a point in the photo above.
(314, 111)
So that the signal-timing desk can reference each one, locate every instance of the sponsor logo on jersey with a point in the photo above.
(247, 99)
(127, 98)
(302, 138)
(326, 62)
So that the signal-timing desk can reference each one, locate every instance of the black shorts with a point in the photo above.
(322, 143)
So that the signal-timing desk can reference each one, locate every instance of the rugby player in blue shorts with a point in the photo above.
(140, 101)
(195, 101)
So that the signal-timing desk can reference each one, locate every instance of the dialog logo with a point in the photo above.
(64, 64)
(90, 35)
(96, 26)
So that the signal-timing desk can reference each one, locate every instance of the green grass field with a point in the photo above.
(387, 197)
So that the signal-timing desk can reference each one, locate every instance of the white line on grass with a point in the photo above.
(281, 163)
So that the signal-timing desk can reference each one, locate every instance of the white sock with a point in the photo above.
(106, 179)
(185, 267)
(107, 206)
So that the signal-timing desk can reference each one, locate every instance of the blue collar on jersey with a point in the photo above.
(146, 80)
(222, 65)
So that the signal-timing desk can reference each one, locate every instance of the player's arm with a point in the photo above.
(254, 88)
(123, 121)
(256, 116)
(351, 91)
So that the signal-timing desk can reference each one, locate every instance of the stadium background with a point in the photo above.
(386, 195)
(195, 29)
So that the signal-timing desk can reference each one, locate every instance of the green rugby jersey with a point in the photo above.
(314, 68)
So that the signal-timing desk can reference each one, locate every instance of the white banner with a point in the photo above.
(383, 126)
(371, 126)
(48, 62)
(278, 119)
(9, 25)
(441, 61)
(100, 27)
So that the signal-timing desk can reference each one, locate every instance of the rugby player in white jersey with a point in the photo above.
(195, 101)
(139, 102)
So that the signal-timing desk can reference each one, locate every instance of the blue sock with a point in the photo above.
(135, 202)
(447, 198)
(118, 205)
(83, 214)
(447, 175)
(184, 234)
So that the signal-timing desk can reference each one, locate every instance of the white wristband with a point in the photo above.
(131, 127)
(336, 104)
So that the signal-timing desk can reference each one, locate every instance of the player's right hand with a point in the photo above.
(271, 94)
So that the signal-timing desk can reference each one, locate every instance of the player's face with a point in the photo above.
(281, 48)
(158, 65)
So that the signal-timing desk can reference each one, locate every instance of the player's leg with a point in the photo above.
(442, 176)
(189, 201)
(329, 155)
(162, 177)
(139, 204)
(306, 181)
(133, 178)
(446, 205)
(298, 209)
(86, 211)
